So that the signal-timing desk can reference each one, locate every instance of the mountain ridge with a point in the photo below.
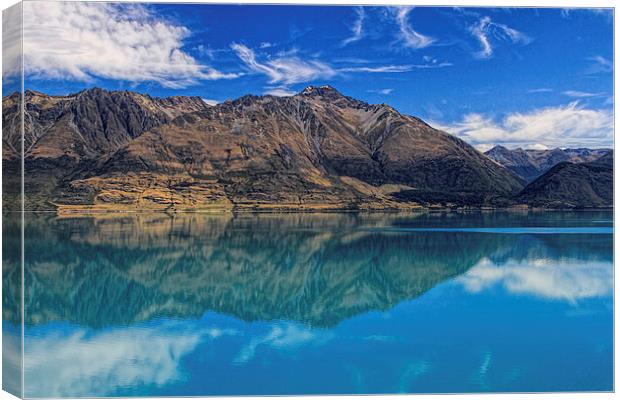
(529, 164)
(318, 149)
(573, 185)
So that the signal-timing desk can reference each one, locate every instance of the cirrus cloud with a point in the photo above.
(579, 94)
(381, 91)
(486, 29)
(599, 64)
(286, 69)
(408, 35)
(280, 91)
(83, 41)
(357, 29)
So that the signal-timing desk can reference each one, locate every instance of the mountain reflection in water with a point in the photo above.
(129, 284)
(318, 269)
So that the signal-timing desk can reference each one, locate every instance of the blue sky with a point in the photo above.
(518, 77)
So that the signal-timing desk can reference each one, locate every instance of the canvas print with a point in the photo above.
(226, 199)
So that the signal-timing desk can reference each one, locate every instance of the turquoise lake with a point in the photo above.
(321, 303)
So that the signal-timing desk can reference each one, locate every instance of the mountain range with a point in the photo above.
(318, 149)
(530, 164)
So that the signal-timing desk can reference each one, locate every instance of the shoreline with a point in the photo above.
(275, 210)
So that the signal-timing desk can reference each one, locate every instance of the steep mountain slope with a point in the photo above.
(86, 124)
(317, 149)
(530, 164)
(64, 134)
(587, 184)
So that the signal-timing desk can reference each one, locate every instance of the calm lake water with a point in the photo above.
(155, 304)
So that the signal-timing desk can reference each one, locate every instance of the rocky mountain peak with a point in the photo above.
(91, 92)
(32, 93)
(497, 149)
(325, 91)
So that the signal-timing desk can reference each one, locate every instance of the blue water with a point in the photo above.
(155, 304)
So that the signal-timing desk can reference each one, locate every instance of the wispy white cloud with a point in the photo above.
(479, 32)
(599, 65)
(580, 95)
(357, 29)
(265, 45)
(408, 36)
(486, 30)
(284, 336)
(432, 65)
(540, 90)
(81, 41)
(395, 68)
(383, 68)
(564, 126)
(280, 92)
(289, 69)
(608, 13)
(286, 69)
(381, 91)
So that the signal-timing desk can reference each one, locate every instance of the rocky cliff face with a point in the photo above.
(317, 149)
(530, 164)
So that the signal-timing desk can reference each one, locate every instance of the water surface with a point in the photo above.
(194, 304)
